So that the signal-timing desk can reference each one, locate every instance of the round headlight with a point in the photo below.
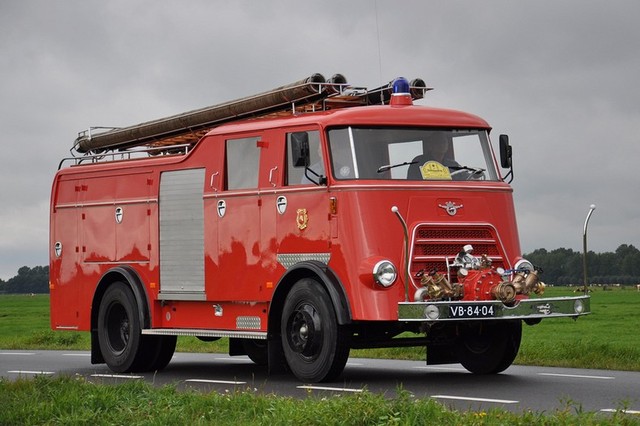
(578, 307)
(524, 264)
(385, 273)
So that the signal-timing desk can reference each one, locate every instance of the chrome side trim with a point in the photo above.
(123, 202)
(178, 295)
(261, 335)
(248, 322)
(289, 259)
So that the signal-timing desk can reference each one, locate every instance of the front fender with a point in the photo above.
(328, 279)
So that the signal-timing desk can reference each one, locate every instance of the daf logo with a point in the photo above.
(119, 214)
(281, 204)
(222, 208)
(544, 309)
(450, 207)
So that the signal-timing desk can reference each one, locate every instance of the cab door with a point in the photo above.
(238, 209)
(303, 223)
(271, 182)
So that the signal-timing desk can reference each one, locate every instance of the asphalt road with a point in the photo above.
(519, 388)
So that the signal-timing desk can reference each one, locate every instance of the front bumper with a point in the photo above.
(533, 309)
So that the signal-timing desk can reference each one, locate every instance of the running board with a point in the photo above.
(195, 332)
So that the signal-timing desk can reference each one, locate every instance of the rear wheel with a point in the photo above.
(256, 351)
(119, 329)
(158, 352)
(122, 344)
(315, 346)
(489, 347)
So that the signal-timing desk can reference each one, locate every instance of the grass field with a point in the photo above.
(73, 401)
(606, 339)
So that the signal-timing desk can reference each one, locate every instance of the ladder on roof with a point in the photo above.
(313, 93)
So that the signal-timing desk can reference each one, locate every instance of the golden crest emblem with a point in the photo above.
(302, 219)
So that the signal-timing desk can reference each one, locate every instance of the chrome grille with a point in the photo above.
(432, 244)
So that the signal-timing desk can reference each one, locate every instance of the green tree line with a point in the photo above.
(560, 267)
(565, 266)
(28, 280)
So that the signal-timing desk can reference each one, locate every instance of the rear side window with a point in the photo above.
(242, 162)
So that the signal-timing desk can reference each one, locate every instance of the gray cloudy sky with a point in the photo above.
(560, 77)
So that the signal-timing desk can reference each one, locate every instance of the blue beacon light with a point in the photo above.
(400, 85)
(400, 92)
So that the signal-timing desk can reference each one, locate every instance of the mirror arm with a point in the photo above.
(322, 180)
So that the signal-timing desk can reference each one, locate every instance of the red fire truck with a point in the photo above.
(298, 223)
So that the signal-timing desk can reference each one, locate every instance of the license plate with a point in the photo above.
(471, 311)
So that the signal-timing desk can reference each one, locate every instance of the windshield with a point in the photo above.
(411, 154)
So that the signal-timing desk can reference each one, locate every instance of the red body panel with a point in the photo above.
(349, 222)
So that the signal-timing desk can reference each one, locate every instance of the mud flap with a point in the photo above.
(96, 353)
(277, 363)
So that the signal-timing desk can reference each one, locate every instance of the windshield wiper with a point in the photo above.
(382, 169)
(473, 170)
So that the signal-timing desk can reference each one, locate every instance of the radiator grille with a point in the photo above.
(432, 244)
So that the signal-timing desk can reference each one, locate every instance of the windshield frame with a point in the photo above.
(389, 152)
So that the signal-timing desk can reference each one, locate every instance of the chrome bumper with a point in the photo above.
(494, 309)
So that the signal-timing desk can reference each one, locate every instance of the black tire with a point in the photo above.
(256, 350)
(158, 352)
(316, 348)
(119, 329)
(489, 347)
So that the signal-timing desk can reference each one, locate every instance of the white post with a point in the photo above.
(584, 248)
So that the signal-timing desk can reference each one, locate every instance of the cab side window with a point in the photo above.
(242, 162)
(295, 175)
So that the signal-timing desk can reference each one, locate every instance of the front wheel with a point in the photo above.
(489, 347)
(315, 346)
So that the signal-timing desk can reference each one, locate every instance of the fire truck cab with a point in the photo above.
(298, 223)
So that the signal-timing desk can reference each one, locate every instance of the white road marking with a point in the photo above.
(577, 376)
(236, 360)
(116, 376)
(218, 382)
(430, 367)
(326, 388)
(30, 372)
(17, 353)
(468, 398)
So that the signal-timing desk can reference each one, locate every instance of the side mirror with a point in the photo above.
(505, 152)
(506, 159)
(300, 155)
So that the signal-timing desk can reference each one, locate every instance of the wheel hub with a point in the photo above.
(118, 328)
(305, 331)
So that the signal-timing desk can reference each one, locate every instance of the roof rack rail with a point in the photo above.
(128, 154)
